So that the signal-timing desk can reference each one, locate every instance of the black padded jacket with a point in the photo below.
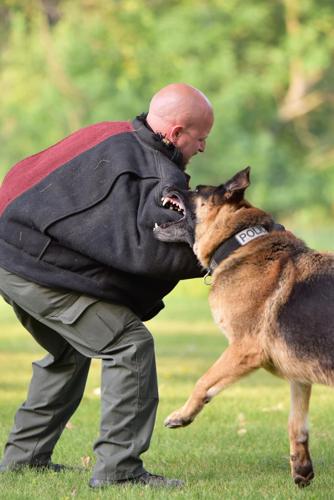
(79, 216)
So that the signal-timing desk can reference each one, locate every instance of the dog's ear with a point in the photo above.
(236, 186)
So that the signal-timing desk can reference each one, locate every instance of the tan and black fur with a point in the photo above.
(274, 300)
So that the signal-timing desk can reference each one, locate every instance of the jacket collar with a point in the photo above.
(156, 141)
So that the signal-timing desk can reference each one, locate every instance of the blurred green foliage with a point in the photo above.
(267, 67)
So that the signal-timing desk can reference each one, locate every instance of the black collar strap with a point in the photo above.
(238, 240)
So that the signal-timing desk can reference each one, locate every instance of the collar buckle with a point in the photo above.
(207, 277)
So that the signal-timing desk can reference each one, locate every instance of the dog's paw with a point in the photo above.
(303, 481)
(303, 474)
(177, 420)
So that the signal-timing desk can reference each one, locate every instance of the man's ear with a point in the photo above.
(175, 133)
(236, 186)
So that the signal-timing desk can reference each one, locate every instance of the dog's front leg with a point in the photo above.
(238, 360)
(300, 460)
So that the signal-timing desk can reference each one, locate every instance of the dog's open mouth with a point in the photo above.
(172, 201)
(180, 226)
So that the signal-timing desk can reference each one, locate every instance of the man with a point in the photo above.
(82, 270)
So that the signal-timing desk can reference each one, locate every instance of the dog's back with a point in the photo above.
(306, 319)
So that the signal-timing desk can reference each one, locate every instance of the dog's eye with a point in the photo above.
(198, 188)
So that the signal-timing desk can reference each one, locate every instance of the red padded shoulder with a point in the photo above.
(33, 169)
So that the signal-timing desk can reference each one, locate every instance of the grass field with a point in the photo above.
(237, 448)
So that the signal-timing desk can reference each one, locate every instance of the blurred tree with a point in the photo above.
(266, 66)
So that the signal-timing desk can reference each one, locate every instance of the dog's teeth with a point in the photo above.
(172, 204)
(156, 225)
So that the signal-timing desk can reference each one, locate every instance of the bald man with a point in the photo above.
(82, 271)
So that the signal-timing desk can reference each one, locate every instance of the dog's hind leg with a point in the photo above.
(238, 360)
(300, 460)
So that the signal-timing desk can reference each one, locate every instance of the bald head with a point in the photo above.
(177, 110)
(178, 103)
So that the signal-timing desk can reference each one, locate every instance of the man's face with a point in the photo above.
(192, 140)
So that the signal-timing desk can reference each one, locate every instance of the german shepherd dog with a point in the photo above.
(272, 296)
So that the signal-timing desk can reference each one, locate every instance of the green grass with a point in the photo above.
(237, 447)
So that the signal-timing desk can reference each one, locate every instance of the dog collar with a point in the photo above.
(238, 240)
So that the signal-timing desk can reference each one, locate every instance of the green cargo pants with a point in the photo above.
(74, 328)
